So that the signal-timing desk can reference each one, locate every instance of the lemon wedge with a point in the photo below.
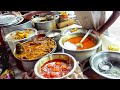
(113, 47)
(73, 30)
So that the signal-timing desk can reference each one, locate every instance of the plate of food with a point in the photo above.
(19, 35)
(72, 30)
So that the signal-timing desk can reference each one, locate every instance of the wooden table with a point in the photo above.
(88, 72)
(92, 75)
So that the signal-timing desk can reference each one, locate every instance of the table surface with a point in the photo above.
(87, 71)
(113, 31)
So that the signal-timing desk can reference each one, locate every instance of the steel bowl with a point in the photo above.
(106, 64)
(63, 56)
(41, 33)
(27, 65)
(57, 37)
(80, 55)
(12, 42)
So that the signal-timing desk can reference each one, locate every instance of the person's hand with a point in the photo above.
(96, 33)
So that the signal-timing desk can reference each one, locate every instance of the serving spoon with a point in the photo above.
(80, 43)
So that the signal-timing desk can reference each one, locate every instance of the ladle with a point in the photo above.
(105, 66)
(80, 43)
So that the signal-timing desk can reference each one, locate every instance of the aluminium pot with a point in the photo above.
(55, 37)
(26, 64)
(63, 56)
(46, 25)
(80, 55)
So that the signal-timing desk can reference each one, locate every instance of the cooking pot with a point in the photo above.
(46, 25)
(62, 56)
(80, 55)
(26, 64)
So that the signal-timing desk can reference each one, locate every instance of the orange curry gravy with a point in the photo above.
(55, 68)
(89, 42)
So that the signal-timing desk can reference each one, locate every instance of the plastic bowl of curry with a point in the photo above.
(27, 53)
(55, 66)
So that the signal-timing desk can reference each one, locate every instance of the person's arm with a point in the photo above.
(109, 22)
(29, 15)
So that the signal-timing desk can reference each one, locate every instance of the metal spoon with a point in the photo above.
(105, 66)
(80, 43)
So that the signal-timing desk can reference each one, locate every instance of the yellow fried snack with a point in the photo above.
(63, 13)
(113, 47)
(73, 30)
(22, 34)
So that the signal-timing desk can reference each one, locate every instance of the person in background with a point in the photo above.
(10, 13)
(29, 15)
(96, 20)
(109, 22)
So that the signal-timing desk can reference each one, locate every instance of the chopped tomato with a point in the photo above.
(45, 75)
(52, 74)
(64, 67)
(49, 66)
(56, 69)
(58, 63)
